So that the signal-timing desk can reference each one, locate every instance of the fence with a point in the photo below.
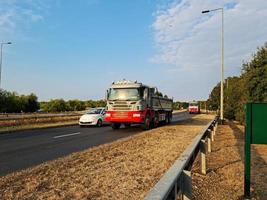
(177, 180)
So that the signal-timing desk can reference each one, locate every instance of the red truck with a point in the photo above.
(194, 107)
(131, 102)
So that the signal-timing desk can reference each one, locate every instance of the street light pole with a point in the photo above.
(222, 60)
(1, 57)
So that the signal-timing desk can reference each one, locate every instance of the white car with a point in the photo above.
(95, 116)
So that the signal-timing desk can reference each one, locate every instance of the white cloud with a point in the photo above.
(16, 14)
(189, 41)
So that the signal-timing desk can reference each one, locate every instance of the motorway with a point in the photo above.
(24, 149)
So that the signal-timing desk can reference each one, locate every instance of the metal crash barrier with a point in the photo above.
(177, 180)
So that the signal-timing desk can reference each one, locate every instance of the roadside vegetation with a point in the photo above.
(59, 105)
(250, 86)
(22, 112)
(180, 105)
(12, 102)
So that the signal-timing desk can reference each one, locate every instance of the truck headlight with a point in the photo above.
(136, 115)
(108, 115)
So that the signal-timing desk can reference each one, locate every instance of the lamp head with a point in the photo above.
(205, 11)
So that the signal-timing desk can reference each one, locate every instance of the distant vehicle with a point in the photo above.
(194, 107)
(131, 102)
(96, 117)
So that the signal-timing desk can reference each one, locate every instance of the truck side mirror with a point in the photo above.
(145, 93)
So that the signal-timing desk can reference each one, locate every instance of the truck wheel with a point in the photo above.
(127, 125)
(115, 125)
(168, 118)
(147, 123)
(156, 121)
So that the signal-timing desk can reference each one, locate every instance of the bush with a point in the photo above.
(11, 102)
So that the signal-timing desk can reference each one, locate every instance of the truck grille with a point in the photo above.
(120, 115)
(121, 105)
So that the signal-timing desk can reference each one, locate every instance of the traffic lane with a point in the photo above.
(37, 146)
(26, 139)
(21, 139)
(18, 140)
(181, 116)
(35, 154)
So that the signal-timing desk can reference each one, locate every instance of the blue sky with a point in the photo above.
(75, 49)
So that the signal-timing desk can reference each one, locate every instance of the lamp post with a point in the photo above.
(222, 59)
(1, 57)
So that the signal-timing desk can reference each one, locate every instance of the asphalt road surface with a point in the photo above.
(23, 149)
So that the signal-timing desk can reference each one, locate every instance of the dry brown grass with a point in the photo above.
(226, 169)
(125, 169)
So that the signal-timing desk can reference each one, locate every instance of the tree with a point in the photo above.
(213, 102)
(11, 102)
(76, 105)
(251, 86)
(255, 73)
(32, 104)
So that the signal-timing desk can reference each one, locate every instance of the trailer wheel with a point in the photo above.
(115, 125)
(147, 123)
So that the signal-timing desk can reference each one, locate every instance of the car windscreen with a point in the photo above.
(94, 111)
(124, 94)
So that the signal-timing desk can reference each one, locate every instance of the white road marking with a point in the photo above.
(66, 135)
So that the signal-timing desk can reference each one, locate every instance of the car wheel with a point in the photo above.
(99, 123)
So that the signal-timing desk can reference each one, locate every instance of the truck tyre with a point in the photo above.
(156, 121)
(147, 123)
(115, 125)
(168, 118)
(127, 125)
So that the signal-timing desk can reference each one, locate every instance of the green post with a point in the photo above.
(248, 131)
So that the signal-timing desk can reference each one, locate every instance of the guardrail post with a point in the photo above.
(186, 187)
(203, 157)
(212, 134)
(209, 140)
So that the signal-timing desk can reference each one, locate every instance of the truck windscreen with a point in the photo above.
(123, 94)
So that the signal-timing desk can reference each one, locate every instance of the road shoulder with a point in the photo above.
(224, 179)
